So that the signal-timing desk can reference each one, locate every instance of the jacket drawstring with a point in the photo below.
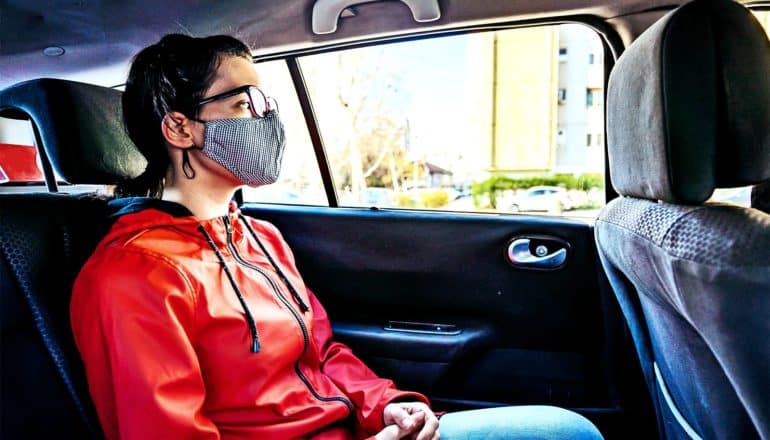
(249, 316)
(277, 268)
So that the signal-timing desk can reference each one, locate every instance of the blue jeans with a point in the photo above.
(517, 422)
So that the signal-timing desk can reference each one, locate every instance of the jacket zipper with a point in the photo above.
(303, 328)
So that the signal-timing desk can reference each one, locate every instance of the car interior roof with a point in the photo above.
(99, 38)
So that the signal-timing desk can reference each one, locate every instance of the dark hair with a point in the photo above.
(171, 75)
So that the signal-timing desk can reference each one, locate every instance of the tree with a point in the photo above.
(368, 93)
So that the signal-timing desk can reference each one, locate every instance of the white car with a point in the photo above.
(541, 198)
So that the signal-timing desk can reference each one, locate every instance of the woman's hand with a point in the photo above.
(405, 418)
(396, 431)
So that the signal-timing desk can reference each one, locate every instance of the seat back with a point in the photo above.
(44, 240)
(689, 111)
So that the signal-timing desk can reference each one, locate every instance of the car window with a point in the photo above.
(465, 122)
(764, 19)
(300, 179)
(736, 196)
(19, 163)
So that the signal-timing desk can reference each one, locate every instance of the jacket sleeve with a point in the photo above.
(132, 313)
(368, 392)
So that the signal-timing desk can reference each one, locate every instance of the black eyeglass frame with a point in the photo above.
(269, 103)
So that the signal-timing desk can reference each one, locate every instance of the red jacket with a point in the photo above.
(172, 352)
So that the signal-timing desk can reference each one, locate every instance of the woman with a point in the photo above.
(192, 320)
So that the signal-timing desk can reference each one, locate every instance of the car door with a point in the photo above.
(465, 303)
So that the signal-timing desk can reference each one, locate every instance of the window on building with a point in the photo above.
(388, 117)
(562, 95)
(593, 97)
(563, 54)
(588, 140)
(591, 58)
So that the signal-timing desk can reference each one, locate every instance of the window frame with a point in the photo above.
(611, 44)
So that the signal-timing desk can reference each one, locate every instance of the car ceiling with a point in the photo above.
(100, 36)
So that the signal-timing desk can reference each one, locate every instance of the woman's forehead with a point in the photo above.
(233, 72)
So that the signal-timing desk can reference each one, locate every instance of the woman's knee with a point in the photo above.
(517, 422)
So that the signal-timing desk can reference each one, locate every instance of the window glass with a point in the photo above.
(563, 54)
(593, 97)
(764, 20)
(737, 196)
(19, 164)
(300, 178)
(20, 167)
(466, 123)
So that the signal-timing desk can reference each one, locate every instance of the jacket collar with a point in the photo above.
(130, 205)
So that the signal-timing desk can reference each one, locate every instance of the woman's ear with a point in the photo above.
(178, 130)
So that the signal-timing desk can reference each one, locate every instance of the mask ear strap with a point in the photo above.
(187, 169)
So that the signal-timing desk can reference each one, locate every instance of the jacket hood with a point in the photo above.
(134, 214)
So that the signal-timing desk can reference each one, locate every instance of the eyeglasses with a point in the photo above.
(260, 103)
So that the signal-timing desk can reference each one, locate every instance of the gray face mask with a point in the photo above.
(250, 148)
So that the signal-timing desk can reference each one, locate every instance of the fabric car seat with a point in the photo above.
(688, 110)
(44, 240)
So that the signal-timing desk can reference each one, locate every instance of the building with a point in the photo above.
(547, 117)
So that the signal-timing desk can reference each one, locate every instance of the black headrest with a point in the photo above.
(80, 126)
(688, 105)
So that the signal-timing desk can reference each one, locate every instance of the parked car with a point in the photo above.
(541, 198)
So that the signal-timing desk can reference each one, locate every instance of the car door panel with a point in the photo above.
(519, 336)
(419, 359)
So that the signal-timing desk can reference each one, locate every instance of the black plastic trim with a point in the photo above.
(378, 340)
(597, 24)
(609, 190)
(45, 162)
(313, 130)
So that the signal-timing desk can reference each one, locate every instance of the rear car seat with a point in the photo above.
(44, 240)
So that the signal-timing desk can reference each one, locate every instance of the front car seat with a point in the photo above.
(688, 110)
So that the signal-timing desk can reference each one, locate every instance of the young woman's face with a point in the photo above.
(233, 72)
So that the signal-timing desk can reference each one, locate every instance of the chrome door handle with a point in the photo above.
(520, 253)
(327, 12)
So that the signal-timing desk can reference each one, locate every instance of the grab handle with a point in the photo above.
(326, 13)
